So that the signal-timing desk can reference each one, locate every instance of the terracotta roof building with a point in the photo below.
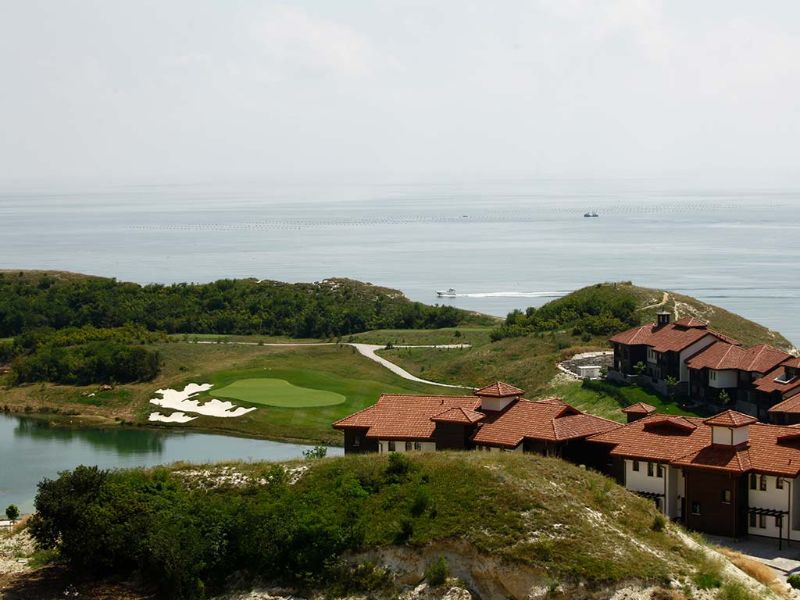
(495, 418)
(727, 475)
(662, 348)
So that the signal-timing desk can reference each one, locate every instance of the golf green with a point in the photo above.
(277, 392)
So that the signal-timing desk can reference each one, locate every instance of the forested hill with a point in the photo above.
(334, 307)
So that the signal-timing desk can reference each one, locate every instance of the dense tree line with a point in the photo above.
(82, 355)
(598, 310)
(187, 539)
(247, 306)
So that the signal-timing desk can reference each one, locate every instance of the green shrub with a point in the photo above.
(399, 466)
(733, 590)
(422, 500)
(12, 512)
(659, 523)
(794, 581)
(437, 572)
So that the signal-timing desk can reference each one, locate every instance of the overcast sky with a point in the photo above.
(188, 89)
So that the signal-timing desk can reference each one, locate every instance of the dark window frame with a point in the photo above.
(636, 465)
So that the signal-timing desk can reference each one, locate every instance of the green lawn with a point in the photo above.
(606, 399)
(277, 392)
(337, 371)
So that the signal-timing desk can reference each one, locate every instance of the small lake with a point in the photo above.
(31, 449)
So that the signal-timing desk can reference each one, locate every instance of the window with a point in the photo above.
(779, 483)
(356, 441)
(726, 496)
(712, 375)
(649, 469)
(391, 446)
(752, 519)
(380, 446)
(696, 508)
(417, 445)
(659, 470)
(762, 483)
(636, 465)
(753, 481)
(409, 445)
(762, 521)
(778, 522)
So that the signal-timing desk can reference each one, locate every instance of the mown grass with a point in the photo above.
(474, 336)
(338, 369)
(606, 399)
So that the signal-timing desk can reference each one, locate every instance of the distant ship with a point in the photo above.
(591, 214)
(451, 293)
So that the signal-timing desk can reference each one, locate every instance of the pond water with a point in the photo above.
(31, 449)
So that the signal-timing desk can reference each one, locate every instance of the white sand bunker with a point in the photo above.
(176, 417)
(182, 400)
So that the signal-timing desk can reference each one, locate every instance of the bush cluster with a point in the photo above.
(228, 306)
(188, 539)
(600, 310)
(84, 355)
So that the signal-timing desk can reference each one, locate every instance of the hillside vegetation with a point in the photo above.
(311, 526)
(608, 308)
(527, 347)
(330, 308)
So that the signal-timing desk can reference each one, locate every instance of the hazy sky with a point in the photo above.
(188, 89)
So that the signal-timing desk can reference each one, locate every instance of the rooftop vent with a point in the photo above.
(663, 318)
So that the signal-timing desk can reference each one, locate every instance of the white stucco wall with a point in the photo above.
(771, 498)
(400, 446)
(640, 481)
(741, 435)
(495, 403)
(693, 349)
(727, 378)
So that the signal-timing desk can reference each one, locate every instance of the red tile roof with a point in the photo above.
(396, 416)
(673, 337)
(769, 449)
(548, 421)
(790, 405)
(458, 415)
(640, 408)
(673, 422)
(722, 355)
(657, 438)
(499, 389)
(731, 418)
(769, 383)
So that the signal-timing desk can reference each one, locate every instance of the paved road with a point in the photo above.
(367, 350)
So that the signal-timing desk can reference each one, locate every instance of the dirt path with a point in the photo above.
(367, 350)
(664, 300)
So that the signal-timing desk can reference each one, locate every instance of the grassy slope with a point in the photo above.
(540, 512)
(338, 369)
(744, 330)
(530, 361)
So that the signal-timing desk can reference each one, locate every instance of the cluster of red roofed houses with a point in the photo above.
(761, 381)
(727, 475)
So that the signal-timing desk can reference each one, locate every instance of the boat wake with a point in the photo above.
(513, 295)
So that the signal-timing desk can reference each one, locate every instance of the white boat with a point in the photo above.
(591, 214)
(451, 293)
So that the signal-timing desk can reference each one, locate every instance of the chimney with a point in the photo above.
(663, 318)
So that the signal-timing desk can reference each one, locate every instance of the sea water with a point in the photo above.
(501, 245)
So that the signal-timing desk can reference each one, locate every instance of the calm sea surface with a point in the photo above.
(30, 449)
(500, 245)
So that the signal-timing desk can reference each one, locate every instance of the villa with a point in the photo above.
(727, 475)
(663, 348)
(495, 418)
(709, 367)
